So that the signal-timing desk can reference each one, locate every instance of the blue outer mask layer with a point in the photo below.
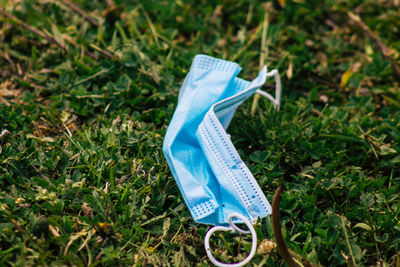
(211, 176)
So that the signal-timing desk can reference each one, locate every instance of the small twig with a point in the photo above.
(276, 225)
(98, 257)
(88, 53)
(16, 224)
(20, 72)
(50, 39)
(384, 49)
(104, 52)
(81, 12)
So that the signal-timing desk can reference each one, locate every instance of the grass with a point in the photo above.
(83, 180)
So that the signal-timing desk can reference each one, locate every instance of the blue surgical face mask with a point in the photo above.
(214, 181)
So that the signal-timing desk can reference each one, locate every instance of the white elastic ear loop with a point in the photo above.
(232, 228)
(278, 89)
(235, 227)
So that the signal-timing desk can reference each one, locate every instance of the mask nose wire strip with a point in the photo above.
(278, 89)
(232, 229)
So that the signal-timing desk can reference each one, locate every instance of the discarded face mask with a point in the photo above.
(216, 184)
